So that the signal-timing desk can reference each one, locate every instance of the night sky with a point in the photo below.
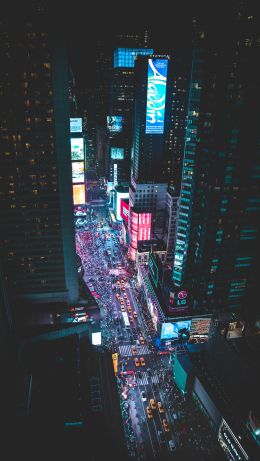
(85, 23)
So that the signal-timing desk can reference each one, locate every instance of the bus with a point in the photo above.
(126, 319)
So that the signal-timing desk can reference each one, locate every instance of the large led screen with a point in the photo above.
(77, 151)
(200, 326)
(76, 125)
(156, 94)
(79, 197)
(175, 330)
(117, 153)
(153, 269)
(77, 172)
(114, 123)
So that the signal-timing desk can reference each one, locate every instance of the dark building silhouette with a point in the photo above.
(37, 232)
(217, 230)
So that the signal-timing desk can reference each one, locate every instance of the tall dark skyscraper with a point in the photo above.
(37, 232)
(126, 48)
(218, 223)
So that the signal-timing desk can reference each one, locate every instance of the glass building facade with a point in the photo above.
(125, 57)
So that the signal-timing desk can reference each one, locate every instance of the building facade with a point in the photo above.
(37, 231)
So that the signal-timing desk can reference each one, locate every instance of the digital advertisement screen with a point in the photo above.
(176, 330)
(119, 197)
(77, 150)
(144, 226)
(96, 338)
(156, 95)
(117, 153)
(77, 172)
(115, 174)
(79, 194)
(76, 125)
(124, 210)
(200, 326)
(114, 123)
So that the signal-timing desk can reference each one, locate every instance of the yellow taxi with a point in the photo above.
(137, 363)
(149, 412)
(129, 309)
(152, 404)
(142, 361)
(160, 407)
(166, 426)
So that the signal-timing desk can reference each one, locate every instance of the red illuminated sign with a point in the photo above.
(124, 210)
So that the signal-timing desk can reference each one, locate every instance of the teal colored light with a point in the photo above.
(125, 57)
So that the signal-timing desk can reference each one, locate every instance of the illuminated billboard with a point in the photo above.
(114, 123)
(115, 174)
(119, 197)
(144, 226)
(178, 300)
(117, 153)
(76, 125)
(124, 210)
(156, 95)
(77, 172)
(96, 338)
(200, 326)
(153, 269)
(176, 330)
(77, 150)
(79, 197)
(125, 57)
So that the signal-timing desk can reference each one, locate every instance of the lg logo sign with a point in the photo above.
(182, 298)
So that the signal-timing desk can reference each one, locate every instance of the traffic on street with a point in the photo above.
(157, 418)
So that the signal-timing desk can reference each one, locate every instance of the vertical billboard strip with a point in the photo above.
(156, 95)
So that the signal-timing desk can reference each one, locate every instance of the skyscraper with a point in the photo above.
(37, 232)
(218, 224)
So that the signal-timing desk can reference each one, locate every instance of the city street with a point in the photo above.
(142, 373)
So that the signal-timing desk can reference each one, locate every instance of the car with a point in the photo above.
(80, 317)
(143, 396)
(128, 302)
(149, 413)
(131, 320)
(122, 308)
(129, 309)
(160, 407)
(171, 445)
(153, 404)
(134, 350)
(137, 363)
(161, 436)
(166, 426)
(135, 314)
(125, 295)
(141, 339)
(142, 361)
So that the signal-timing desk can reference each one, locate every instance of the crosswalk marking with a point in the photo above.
(143, 379)
(126, 350)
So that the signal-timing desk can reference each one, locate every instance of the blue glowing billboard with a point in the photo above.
(114, 123)
(175, 330)
(117, 153)
(76, 125)
(156, 95)
(125, 57)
